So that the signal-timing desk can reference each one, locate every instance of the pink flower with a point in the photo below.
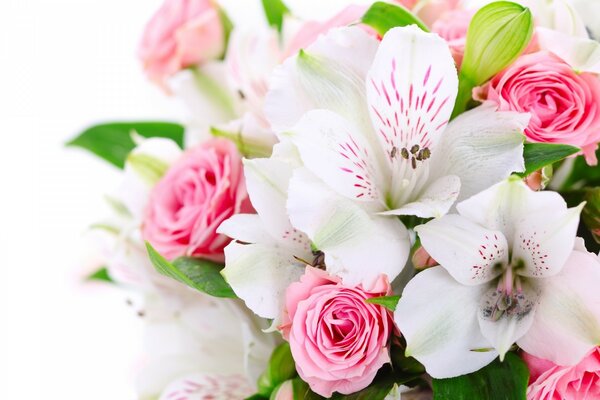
(452, 26)
(311, 30)
(201, 190)
(553, 382)
(564, 105)
(407, 3)
(182, 33)
(338, 341)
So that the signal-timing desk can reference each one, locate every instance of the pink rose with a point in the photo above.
(552, 382)
(409, 4)
(564, 105)
(452, 26)
(201, 190)
(182, 33)
(338, 341)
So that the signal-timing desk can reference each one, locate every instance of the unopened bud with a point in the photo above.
(422, 260)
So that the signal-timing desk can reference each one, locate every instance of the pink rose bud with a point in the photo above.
(337, 339)
(535, 180)
(201, 190)
(421, 259)
(564, 105)
(181, 33)
(578, 382)
(285, 391)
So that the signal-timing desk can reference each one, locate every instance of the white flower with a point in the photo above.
(509, 273)
(371, 123)
(267, 253)
(195, 342)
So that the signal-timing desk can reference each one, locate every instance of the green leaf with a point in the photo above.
(101, 275)
(498, 381)
(256, 397)
(388, 302)
(384, 16)
(302, 391)
(281, 368)
(582, 175)
(275, 10)
(202, 275)
(113, 142)
(539, 155)
(497, 35)
(227, 27)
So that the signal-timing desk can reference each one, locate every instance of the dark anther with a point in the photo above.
(404, 153)
(426, 153)
(413, 163)
(393, 152)
(414, 149)
(242, 95)
(319, 260)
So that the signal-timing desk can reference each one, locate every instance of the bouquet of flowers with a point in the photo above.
(400, 200)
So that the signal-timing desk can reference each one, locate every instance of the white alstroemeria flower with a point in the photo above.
(266, 255)
(192, 339)
(509, 273)
(370, 121)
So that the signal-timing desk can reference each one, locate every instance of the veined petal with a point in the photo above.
(330, 74)
(544, 241)
(504, 319)
(438, 318)
(336, 151)
(581, 53)
(267, 180)
(246, 228)
(567, 319)
(358, 245)
(471, 254)
(504, 206)
(482, 147)
(259, 274)
(434, 202)
(411, 89)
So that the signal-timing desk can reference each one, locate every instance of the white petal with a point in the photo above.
(567, 320)
(330, 74)
(471, 254)
(503, 206)
(259, 274)
(504, 328)
(411, 89)
(435, 201)
(200, 386)
(358, 245)
(544, 240)
(482, 147)
(246, 228)
(582, 54)
(336, 151)
(267, 181)
(438, 318)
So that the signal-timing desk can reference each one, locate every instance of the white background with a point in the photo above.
(66, 64)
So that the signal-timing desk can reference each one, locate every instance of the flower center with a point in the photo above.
(508, 299)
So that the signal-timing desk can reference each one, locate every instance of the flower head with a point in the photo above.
(338, 340)
(511, 272)
(197, 193)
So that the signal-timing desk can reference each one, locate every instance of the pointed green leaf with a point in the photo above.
(539, 155)
(497, 35)
(388, 302)
(384, 16)
(101, 275)
(505, 380)
(113, 141)
(275, 10)
(202, 275)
